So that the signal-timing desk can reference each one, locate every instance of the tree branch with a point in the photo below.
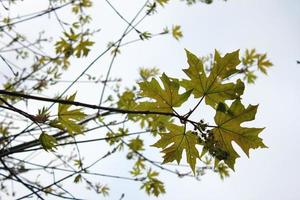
(76, 103)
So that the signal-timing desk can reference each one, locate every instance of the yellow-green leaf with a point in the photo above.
(136, 144)
(78, 178)
(229, 130)
(127, 100)
(48, 142)
(177, 140)
(152, 185)
(212, 87)
(165, 98)
(162, 2)
(176, 32)
(68, 118)
(263, 64)
(83, 48)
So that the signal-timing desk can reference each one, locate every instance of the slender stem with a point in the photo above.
(20, 180)
(37, 15)
(76, 103)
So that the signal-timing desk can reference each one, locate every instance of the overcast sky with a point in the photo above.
(271, 26)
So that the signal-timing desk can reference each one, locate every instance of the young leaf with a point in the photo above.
(176, 32)
(162, 2)
(136, 144)
(68, 118)
(153, 185)
(78, 178)
(145, 35)
(127, 100)
(211, 87)
(249, 57)
(63, 46)
(166, 98)
(83, 48)
(250, 77)
(147, 73)
(177, 140)
(222, 169)
(102, 189)
(228, 130)
(263, 63)
(47, 141)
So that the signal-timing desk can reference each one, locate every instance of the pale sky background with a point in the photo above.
(271, 26)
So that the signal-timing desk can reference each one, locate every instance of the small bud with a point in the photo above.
(129, 156)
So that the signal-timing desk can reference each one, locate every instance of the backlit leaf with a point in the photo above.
(176, 32)
(229, 130)
(153, 185)
(162, 2)
(78, 178)
(82, 49)
(211, 87)
(68, 119)
(177, 140)
(263, 64)
(48, 142)
(165, 98)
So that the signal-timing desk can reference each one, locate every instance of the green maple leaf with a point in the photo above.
(78, 178)
(229, 130)
(63, 46)
(136, 144)
(212, 87)
(68, 119)
(152, 185)
(263, 64)
(176, 32)
(82, 48)
(250, 57)
(127, 100)
(48, 142)
(162, 2)
(165, 99)
(71, 36)
(177, 140)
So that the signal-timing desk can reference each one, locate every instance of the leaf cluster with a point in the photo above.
(216, 89)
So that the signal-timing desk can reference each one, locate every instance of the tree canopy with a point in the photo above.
(44, 129)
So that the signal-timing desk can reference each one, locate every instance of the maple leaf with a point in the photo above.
(162, 2)
(147, 73)
(250, 77)
(211, 87)
(48, 142)
(71, 36)
(68, 118)
(78, 178)
(82, 48)
(177, 140)
(263, 63)
(145, 35)
(136, 144)
(229, 130)
(64, 47)
(166, 98)
(127, 100)
(152, 185)
(250, 57)
(176, 32)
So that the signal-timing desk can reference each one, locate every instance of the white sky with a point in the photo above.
(271, 26)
